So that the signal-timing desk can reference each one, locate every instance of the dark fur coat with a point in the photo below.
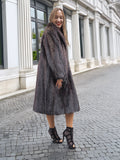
(53, 65)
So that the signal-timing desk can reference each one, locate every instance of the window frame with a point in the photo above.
(36, 20)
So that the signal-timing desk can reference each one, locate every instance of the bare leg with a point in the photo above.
(69, 119)
(51, 122)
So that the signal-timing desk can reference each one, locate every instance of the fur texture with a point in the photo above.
(53, 65)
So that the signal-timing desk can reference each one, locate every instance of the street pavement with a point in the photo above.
(24, 133)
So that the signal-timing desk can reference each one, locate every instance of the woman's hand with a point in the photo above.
(59, 83)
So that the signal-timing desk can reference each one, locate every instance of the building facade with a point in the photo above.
(93, 28)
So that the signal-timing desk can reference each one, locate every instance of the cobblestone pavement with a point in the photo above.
(24, 133)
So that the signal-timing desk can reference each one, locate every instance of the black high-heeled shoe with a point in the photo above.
(68, 133)
(54, 135)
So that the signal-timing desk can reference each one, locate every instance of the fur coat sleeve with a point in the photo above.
(54, 54)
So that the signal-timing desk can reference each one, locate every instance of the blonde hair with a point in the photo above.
(63, 28)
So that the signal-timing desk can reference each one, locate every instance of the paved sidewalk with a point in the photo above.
(24, 133)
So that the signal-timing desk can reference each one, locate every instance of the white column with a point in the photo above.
(70, 53)
(69, 34)
(97, 41)
(76, 40)
(88, 54)
(27, 75)
(103, 44)
(112, 40)
(10, 33)
(25, 39)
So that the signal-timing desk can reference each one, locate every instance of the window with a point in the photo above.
(81, 28)
(40, 12)
(91, 38)
(32, 12)
(41, 15)
(1, 39)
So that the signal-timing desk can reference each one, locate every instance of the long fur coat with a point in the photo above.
(53, 65)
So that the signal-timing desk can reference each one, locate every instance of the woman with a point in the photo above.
(55, 93)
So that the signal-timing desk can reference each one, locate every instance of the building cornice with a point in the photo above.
(114, 9)
(86, 4)
(69, 6)
(106, 17)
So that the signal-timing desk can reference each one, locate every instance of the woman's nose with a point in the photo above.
(58, 19)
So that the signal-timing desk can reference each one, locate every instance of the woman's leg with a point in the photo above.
(68, 133)
(51, 122)
(69, 119)
(52, 130)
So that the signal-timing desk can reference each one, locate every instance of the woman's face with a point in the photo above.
(58, 19)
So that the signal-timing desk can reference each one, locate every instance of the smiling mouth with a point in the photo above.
(58, 24)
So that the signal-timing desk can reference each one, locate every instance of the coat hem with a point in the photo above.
(55, 113)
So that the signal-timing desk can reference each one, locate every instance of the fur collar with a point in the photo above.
(53, 30)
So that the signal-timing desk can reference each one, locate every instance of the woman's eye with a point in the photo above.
(56, 17)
